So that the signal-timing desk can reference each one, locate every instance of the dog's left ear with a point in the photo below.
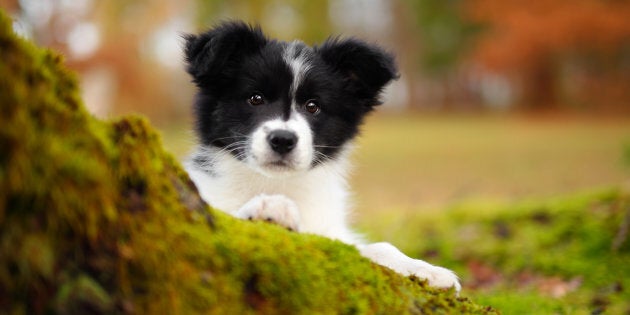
(365, 68)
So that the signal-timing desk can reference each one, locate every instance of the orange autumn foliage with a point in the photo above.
(520, 33)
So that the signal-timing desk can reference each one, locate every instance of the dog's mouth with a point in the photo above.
(276, 165)
(280, 165)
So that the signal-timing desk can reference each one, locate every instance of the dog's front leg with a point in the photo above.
(276, 209)
(389, 256)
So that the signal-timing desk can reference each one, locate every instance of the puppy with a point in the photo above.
(275, 123)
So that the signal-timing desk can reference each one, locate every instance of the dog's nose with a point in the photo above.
(282, 141)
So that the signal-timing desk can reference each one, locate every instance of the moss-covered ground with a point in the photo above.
(568, 255)
(96, 218)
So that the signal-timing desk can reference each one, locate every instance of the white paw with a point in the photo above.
(389, 256)
(276, 209)
(436, 276)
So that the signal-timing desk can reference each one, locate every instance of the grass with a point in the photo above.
(96, 218)
(418, 162)
(564, 255)
(413, 162)
(462, 191)
(500, 225)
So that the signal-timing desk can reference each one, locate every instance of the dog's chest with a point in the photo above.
(316, 192)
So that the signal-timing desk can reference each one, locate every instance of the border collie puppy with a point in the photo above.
(275, 123)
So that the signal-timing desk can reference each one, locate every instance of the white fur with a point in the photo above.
(387, 255)
(320, 193)
(309, 201)
(299, 65)
(271, 208)
(287, 190)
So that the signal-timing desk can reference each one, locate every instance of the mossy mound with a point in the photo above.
(566, 255)
(96, 218)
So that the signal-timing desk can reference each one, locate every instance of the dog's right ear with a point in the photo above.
(366, 68)
(211, 56)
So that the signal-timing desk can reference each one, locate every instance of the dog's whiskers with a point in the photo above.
(234, 147)
(208, 156)
(236, 136)
(323, 159)
(327, 146)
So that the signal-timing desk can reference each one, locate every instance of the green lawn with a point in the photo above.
(563, 255)
(508, 203)
(413, 162)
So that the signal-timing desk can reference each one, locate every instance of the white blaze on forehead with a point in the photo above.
(260, 155)
(295, 55)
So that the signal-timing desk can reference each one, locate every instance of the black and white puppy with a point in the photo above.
(276, 122)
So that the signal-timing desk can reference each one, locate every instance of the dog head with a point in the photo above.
(282, 107)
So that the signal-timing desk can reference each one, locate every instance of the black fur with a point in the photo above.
(233, 61)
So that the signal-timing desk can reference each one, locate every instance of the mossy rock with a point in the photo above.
(95, 217)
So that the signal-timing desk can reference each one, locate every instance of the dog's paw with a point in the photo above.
(276, 209)
(389, 256)
(436, 276)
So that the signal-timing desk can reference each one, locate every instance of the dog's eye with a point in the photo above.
(312, 107)
(256, 99)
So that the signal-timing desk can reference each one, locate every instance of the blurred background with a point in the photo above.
(498, 100)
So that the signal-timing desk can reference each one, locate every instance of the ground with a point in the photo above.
(97, 218)
(529, 210)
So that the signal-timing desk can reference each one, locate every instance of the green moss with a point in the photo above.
(514, 256)
(82, 295)
(96, 218)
